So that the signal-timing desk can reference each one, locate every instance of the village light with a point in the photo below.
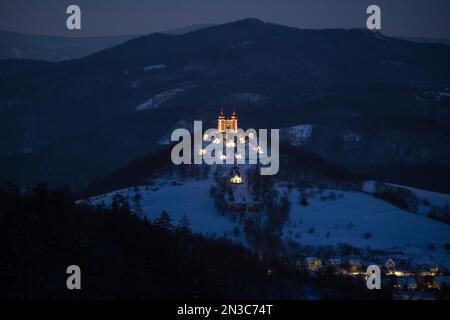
(202, 152)
(259, 150)
(242, 140)
(236, 179)
(216, 141)
(205, 137)
(238, 156)
(223, 157)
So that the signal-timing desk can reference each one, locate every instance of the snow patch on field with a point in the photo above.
(156, 101)
(242, 44)
(154, 67)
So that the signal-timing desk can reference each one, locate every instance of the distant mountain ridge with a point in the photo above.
(429, 40)
(74, 120)
(15, 45)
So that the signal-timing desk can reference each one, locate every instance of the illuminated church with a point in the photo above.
(224, 124)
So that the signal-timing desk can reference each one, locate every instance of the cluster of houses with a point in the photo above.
(433, 278)
(352, 266)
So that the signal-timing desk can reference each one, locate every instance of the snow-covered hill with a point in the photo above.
(190, 198)
(428, 199)
(363, 221)
(354, 214)
(331, 217)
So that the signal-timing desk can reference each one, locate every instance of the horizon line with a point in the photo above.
(207, 25)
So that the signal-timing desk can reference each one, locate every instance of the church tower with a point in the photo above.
(224, 124)
(233, 121)
(221, 122)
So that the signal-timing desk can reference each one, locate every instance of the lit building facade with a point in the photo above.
(224, 124)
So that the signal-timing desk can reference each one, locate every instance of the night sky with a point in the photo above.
(408, 18)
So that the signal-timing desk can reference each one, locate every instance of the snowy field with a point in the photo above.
(363, 221)
(434, 198)
(154, 67)
(191, 198)
(355, 218)
(354, 214)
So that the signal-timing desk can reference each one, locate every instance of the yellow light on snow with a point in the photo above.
(236, 179)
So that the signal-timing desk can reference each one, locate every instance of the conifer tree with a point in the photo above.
(184, 226)
(164, 221)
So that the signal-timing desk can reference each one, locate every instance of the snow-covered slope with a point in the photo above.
(159, 99)
(190, 198)
(363, 221)
(355, 218)
(353, 215)
(427, 198)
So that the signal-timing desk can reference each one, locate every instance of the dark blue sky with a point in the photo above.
(413, 18)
